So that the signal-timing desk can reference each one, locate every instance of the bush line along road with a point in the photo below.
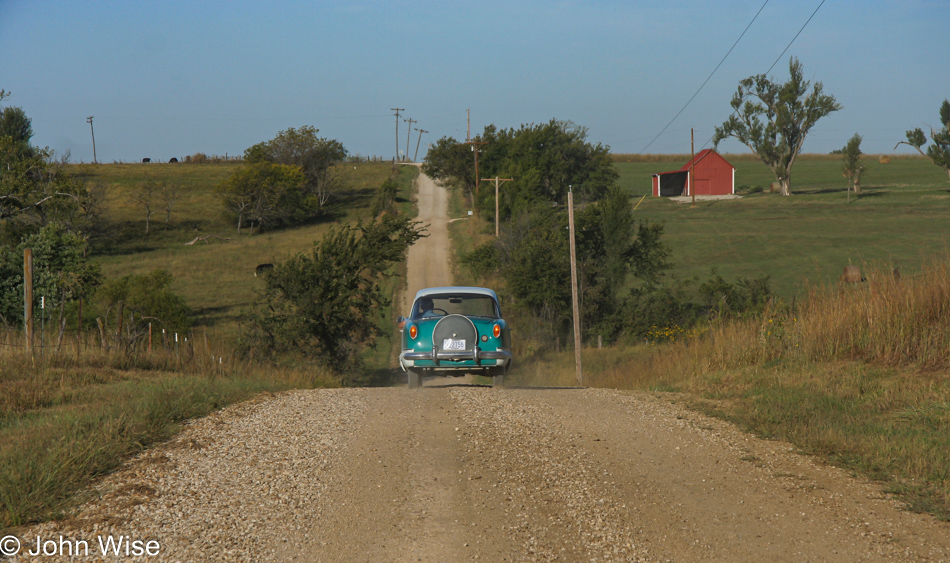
(456, 472)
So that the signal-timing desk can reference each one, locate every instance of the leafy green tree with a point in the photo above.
(533, 258)
(17, 126)
(852, 169)
(545, 160)
(34, 190)
(939, 151)
(327, 304)
(385, 198)
(450, 161)
(266, 194)
(319, 159)
(61, 272)
(773, 119)
(146, 298)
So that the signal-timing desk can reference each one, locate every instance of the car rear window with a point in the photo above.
(470, 305)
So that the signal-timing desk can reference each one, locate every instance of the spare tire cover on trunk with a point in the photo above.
(456, 327)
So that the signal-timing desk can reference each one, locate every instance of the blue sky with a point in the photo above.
(170, 78)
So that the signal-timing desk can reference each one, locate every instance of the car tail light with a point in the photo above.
(496, 330)
(413, 332)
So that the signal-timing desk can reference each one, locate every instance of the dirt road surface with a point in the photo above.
(429, 258)
(457, 472)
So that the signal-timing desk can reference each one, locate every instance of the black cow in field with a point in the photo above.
(262, 268)
(173, 160)
(146, 160)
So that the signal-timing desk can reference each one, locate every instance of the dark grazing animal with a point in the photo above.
(261, 268)
(146, 160)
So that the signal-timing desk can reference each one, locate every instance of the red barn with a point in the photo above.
(711, 174)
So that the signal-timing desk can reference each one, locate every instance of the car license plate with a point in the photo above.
(453, 344)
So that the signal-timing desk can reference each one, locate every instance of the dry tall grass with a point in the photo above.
(885, 320)
(66, 418)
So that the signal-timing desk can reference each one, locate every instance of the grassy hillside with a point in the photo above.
(215, 277)
(901, 219)
(67, 418)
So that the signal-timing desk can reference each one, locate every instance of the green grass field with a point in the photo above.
(216, 277)
(902, 219)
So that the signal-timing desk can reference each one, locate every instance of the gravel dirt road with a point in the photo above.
(458, 472)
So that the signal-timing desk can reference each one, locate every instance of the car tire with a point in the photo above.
(415, 379)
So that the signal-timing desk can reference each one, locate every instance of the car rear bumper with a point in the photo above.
(462, 359)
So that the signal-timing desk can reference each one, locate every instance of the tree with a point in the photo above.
(319, 159)
(532, 257)
(34, 191)
(852, 167)
(145, 196)
(385, 199)
(61, 272)
(265, 194)
(451, 161)
(327, 304)
(170, 194)
(17, 126)
(939, 151)
(150, 297)
(774, 127)
(545, 161)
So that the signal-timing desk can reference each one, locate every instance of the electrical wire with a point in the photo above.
(794, 38)
(710, 76)
(787, 47)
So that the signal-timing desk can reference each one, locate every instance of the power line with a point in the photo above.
(735, 111)
(794, 38)
(708, 77)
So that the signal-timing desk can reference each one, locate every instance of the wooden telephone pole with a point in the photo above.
(692, 157)
(28, 297)
(497, 181)
(476, 147)
(93, 131)
(421, 131)
(408, 135)
(574, 296)
(397, 110)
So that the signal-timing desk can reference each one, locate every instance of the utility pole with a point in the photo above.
(476, 148)
(468, 127)
(692, 157)
(397, 110)
(421, 131)
(409, 134)
(28, 297)
(574, 297)
(497, 181)
(89, 121)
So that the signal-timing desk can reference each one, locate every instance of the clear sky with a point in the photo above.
(173, 78)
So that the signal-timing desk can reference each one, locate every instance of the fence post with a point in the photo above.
(28, 297)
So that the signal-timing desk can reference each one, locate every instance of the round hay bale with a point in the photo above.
(851, 274)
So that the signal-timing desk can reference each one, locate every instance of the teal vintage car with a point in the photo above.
(452, 331)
